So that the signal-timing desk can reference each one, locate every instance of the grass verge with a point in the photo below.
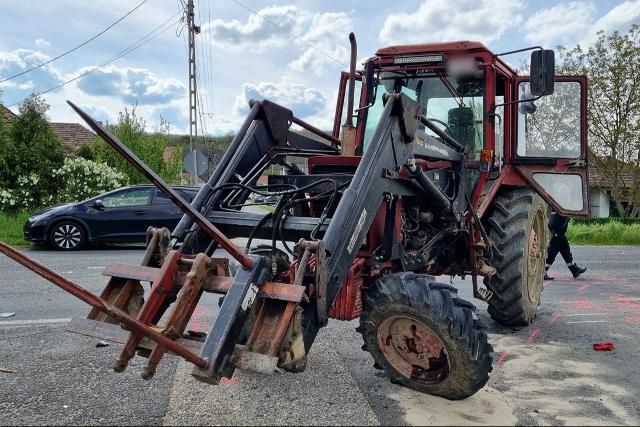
(11, 226)
(611, 233)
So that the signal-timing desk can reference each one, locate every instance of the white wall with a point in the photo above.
(599, 203)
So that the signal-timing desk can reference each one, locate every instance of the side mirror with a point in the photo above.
(98, 205)
(543, 65)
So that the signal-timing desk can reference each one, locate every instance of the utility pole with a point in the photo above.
(193, 121)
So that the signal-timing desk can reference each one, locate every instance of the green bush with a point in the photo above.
(86, 151)
(152, 148)
(612, 232)
(29, 152)
(28, 192)
(31, 146)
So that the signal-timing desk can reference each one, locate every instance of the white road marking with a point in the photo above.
(586, 314)
(34, 322)
(591, 321)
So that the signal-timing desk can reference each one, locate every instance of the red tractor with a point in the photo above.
(446, 167)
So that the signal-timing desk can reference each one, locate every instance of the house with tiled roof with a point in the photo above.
(6, 114)
(600, 185)
(73, 135)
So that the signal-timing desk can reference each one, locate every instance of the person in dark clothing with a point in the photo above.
(558, 225)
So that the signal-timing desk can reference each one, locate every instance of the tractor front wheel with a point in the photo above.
(424, 336)
(517, 225)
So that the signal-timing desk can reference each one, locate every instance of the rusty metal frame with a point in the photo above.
(102, 305)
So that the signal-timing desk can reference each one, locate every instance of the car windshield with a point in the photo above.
(454, 104)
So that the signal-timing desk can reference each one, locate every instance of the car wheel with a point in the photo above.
(67, 236)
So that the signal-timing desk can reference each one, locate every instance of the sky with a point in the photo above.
(242, 55)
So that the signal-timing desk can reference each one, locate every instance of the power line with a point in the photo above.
(77, 47)
(203, 70)
(142, 41)
(290, 33)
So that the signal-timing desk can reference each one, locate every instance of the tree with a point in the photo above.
(29, 146)
(152, 148)
(612, 66)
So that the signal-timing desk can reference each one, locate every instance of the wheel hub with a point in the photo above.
(413, 349)
(67, 236)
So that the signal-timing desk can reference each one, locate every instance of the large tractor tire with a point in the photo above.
(424, 336)
(517, 224)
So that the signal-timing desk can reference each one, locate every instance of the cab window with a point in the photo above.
(550, 126)
(454, 104)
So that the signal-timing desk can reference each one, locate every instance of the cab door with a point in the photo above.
(550, 145)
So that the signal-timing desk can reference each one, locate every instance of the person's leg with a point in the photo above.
(552, 252)
(565, 251)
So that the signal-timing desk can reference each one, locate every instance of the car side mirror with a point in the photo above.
(98, 205)
(543, 65)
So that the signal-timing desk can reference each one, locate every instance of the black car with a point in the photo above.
(121, 215)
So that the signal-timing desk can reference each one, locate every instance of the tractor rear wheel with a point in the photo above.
(424, 336)
(517, 225)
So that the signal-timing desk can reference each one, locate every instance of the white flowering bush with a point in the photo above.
(77, 179)
(81, 178)
(26, 194)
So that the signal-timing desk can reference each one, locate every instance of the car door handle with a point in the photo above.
(141, 212)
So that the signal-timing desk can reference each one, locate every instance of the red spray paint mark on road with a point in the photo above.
(534, 334)
(502, 357)
(230, 381)
(585, 305)
(554, 319)
(632, 319)
(581, 289)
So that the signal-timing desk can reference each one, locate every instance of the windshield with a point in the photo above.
(454, 104)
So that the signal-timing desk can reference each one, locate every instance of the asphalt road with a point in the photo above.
(546, 373)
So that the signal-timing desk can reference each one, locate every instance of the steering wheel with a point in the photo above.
(445, 124)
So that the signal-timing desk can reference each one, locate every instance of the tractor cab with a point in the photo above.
(521, 130)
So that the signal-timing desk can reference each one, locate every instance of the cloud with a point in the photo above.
(41, 43)
(303, 100)
(299, 31)
(19, 60)
(618, 18)
(131, 85)
(552, 26)
(575, 22)
(307, 103)
(481, 20)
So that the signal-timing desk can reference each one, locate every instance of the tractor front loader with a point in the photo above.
(364, 218)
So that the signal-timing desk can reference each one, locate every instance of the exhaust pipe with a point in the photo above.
(348, 130)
